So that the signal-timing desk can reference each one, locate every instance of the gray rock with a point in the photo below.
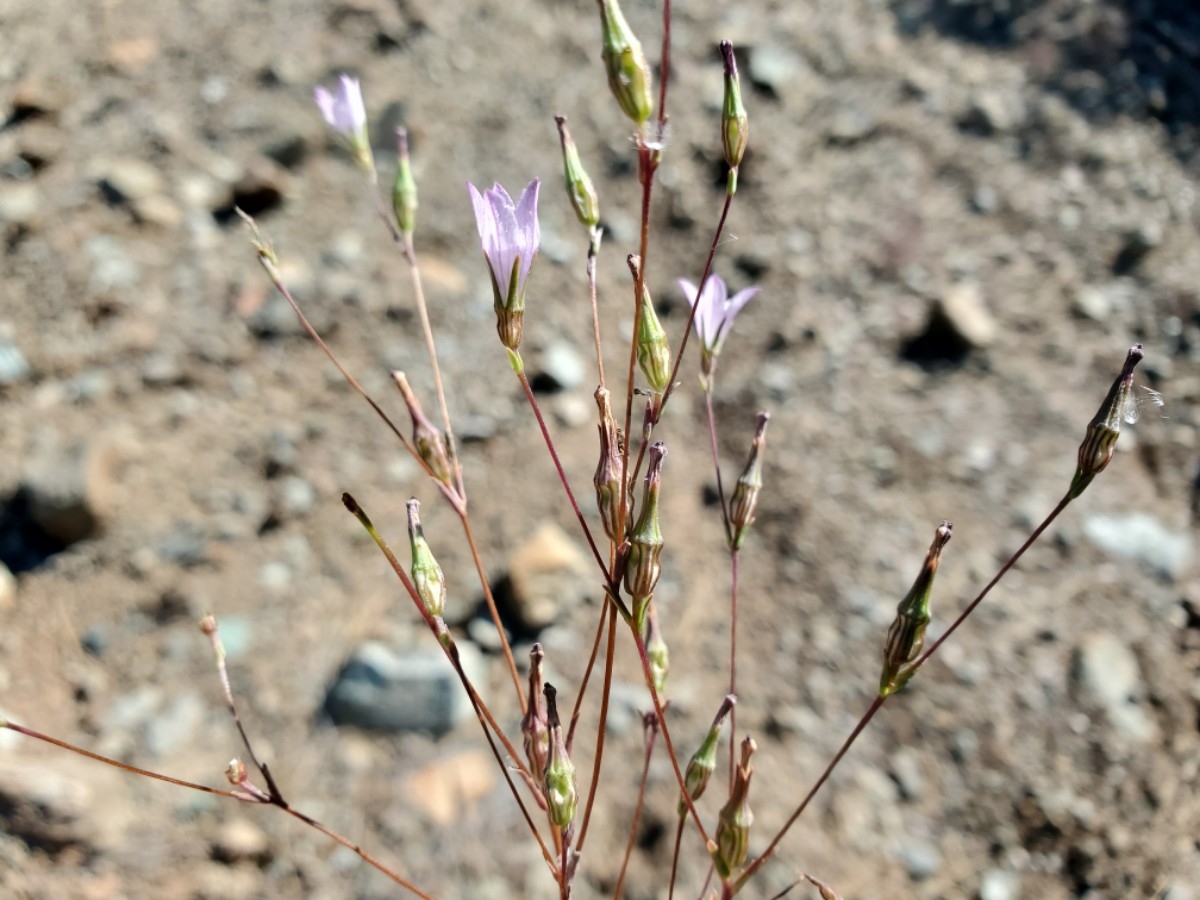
(775, 67)
(995, 111)
(985, 200)
(851, 125)
(1141, 537)
(162, 370)
(415, 689)
(13, 366)
(129, 180)
(1106, 673)
(906, 770)
(45, 807)
(561, 367)
(184, 546)
(1137, 245)
(920, 858)
(999, 884)
(20, 203)
(69, 490)
(297, 497)
(240, 840)
(545, 574)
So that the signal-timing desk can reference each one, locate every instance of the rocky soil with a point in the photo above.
(961, 215)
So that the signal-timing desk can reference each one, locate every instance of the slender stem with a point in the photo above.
(652, 732)
(664, 70)
(587, 674)
(562, 477)
(879, 700)
(593, 252)
(712, 443)
(204, 789)
(606, 692)
(675, 857)
(687, 331)
(733, 620)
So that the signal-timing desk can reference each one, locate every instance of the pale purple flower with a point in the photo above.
(344, 110)
(716, 310)
(510, 236)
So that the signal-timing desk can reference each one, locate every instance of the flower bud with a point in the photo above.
(653, 348)
(559, 781)
(1100, 440)
(704, 761)
(426, 573)
(735, 125)
(645, 542)
(430, 444)
(534, 725)
(744, 503)
(657, 652)
(609, 479)
(906, 636)
(580, 189)
(404, 188)
(235, 772)
(734, 820)
(826, 892)
(625, 63)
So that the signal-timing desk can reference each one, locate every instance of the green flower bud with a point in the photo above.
(625, 63)
(906, 636)
(657, 652)
(404, 188)
(559, 781)
(653, 348)
(1100, 440)
(429, 441)
(580, 189)
(644, 545)
(735, 125)
(734, 821)
(426, 573)
(744, 503)
(704, 761)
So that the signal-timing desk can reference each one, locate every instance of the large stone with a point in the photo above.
(69, 491)
(1141, 537)
(547, 572)
(1106, 674)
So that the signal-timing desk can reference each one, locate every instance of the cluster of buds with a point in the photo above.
(625, 63)
(744, 503)
(732, 842)
(704, 761)
(906, 636)
(642, 548)
(429, 441)
(612, 488)
(426, 573)
(559, 779)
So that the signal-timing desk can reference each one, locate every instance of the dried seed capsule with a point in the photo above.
(645, 542)
(1100, 440)
(426, 573)
(580, 190)
(559, 781)
(906, 636)
(404, 188)
(734, 820)
(429, 441)
(625, 64)
(704, 761)
(534, 725)
(744, 503)
(609, 479)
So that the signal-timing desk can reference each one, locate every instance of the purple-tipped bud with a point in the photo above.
(580, 190)
(906, 636)
(657, 652)
(704, 761)
(826, 892)
(404, 188)
(609, 479)
(510, 236)
(735, 124)
(653, 348)
(426, 573)
(559, 781)
(625, 63)
(744, 503)
(429, 441)
(645, 541)
(345, 112)
(715, 312)
(1100, 440)
(734, 820)
(534, 725)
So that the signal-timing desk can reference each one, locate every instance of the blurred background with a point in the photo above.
(961, 214)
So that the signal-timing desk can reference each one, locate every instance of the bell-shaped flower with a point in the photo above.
(510, 236)
(715, 312)
(345, 112)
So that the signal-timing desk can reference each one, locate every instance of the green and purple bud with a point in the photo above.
(625, 64)
(429, 441)
(1100, 440)
(345, 112)
(404, 188)
(704, 761)
(735, 125)
(559, 781)
(744, 503)
(510, 236)
(426, 573)
(653, 348)
(906, 636)
(657, 652)
(609, 479)
(534, 725)
(733, 822)
(580, 190)
(643, 546)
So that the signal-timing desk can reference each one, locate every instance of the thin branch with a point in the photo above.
(651, 726)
